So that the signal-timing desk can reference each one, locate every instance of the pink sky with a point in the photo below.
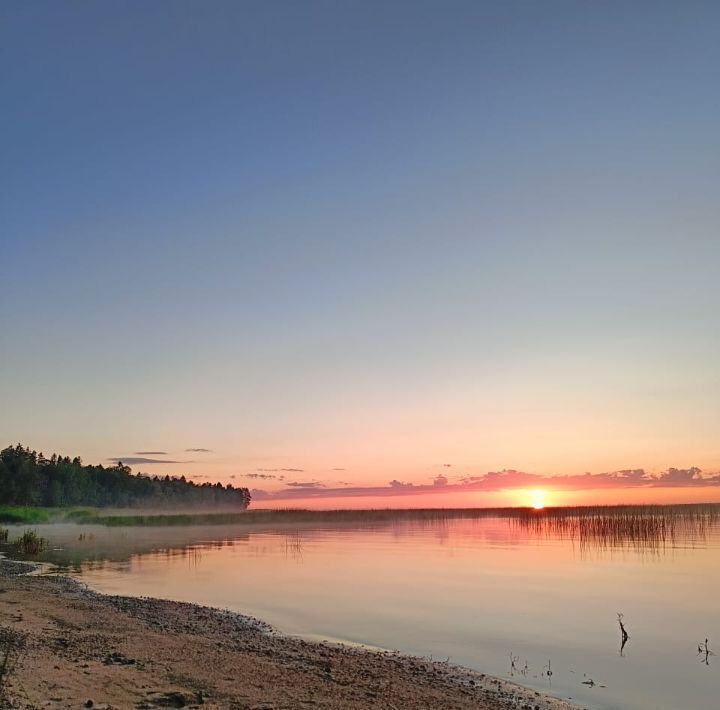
(347, 245)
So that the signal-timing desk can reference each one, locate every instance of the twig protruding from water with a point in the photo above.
(705, 652)
(623, 632)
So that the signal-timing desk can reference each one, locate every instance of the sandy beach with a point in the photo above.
(72, 648)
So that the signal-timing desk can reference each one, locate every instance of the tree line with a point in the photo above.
(28, 478)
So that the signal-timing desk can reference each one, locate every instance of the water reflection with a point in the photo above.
(294, 546)
(651, 529)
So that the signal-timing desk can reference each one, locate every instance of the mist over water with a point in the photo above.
(512, 593)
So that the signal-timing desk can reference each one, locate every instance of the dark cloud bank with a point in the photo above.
(506, 480)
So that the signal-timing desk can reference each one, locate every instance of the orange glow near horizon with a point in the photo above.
(500, 499)
(537, 499)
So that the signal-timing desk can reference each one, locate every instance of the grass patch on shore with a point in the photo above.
(25, 514)
(80, 515)
(38, 515)
(4, 533)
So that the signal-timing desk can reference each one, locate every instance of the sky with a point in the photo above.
(351, 245)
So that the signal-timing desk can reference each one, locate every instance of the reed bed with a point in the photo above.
(647, 527)
(287, 516)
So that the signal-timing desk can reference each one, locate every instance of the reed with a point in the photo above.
(4, 533)
(30, 543)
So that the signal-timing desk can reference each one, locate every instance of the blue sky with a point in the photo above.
(372, 236)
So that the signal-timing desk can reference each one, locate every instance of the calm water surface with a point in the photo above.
(474, 591)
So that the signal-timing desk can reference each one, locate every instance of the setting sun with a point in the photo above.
(537, 499)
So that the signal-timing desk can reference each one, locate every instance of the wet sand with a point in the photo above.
(72, 648)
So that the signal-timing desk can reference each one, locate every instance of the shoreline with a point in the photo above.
(71, 646)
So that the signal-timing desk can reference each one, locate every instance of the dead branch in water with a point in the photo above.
(547, 672)
(705, 652)
(623, 632)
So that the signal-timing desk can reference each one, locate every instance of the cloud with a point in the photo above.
(131, 460)
(151, 453)
(399, 484)
(338, 469)
(200, 451)
(264, 476)
(631, 474)
(681, 475)
(275, 470)
(306, 484)
(440, 481)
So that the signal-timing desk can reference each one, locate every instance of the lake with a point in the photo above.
(513, 597)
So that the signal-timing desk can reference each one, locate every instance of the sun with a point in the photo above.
(537, 499)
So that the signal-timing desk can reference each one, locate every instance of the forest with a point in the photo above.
(30, 479)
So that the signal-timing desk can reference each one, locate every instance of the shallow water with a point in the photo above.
(479, 592)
